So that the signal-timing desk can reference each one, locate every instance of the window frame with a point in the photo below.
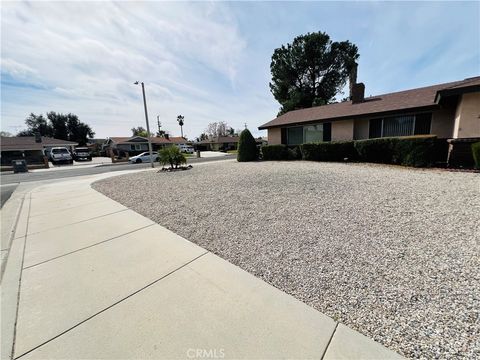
(405, 114)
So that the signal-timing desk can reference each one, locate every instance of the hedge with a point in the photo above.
(328, 151)
(280, 152)
(418, 151)
(476, 154)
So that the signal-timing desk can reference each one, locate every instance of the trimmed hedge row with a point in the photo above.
(329, 151)
(280, 152)
(416, 151)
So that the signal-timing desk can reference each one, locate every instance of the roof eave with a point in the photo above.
(359, 116)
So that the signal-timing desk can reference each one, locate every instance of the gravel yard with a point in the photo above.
(391, 252)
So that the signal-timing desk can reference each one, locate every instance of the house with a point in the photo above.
(29, 148)
(222, 143)
(449, 111)
(219, 143)
(178, 140)
(133, 145)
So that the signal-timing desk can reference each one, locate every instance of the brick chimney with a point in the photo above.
(358, 93)
(38, 137)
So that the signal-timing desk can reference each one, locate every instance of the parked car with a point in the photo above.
(186, 148)
(82, 153)
(60, 155)
(143, 157)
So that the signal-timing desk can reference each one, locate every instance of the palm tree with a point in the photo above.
(180, 122)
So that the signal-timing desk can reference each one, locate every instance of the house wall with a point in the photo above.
(442, 122)
(274, 136)
(467, 116)
(360, 129)
(342, 130)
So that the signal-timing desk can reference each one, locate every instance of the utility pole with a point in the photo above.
(148, 126)
(245, 125)
(159, 124)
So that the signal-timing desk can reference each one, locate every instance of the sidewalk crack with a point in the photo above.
(329, 341)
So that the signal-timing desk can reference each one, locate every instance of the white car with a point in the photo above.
(143, 157)
(60, 155)
(186, 148)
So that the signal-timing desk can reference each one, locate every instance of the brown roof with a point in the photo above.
(128, 140)
(398, 101)
(177, 139)
(28, 143)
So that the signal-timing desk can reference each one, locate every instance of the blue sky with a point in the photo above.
(210, 61)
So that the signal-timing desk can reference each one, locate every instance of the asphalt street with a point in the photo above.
(10, 181)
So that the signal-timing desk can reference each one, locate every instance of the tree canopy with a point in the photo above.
(60, 126)
(139, 131)
(310, 71)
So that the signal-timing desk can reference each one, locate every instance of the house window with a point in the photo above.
(295, 135)
(138, 147)
(398, 126)
(375, 130)
(422, 124)
(313, 133)
(404, 125)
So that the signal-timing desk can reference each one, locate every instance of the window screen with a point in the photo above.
(313, 133)
(295, 135)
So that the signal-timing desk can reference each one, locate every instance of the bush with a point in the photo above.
(328, 151)
(415, 151)
(476, 154)
(247, 147)
(171, 155)
(418, 151)
(274, 152)
(376, 150)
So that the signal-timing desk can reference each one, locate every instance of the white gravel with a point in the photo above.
(391, 252)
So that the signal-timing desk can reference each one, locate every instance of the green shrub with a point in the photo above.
(328, 151)
(379, 150)
(476, 154)
(418, 151)
(171, 155)
(415, 151)
(294, 153)
(274, 152)
(247, 147)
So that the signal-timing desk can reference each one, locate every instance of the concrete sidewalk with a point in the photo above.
(93, 279)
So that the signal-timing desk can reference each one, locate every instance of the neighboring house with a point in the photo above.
(178, 140)
(95, 146)
(220, 143)
(133, 145)
(449, 111)
(30, 148)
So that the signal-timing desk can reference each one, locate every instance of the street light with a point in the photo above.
(146, 120)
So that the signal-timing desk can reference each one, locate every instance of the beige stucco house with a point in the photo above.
(449, 111)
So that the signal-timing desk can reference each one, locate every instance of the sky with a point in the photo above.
(210, 61)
